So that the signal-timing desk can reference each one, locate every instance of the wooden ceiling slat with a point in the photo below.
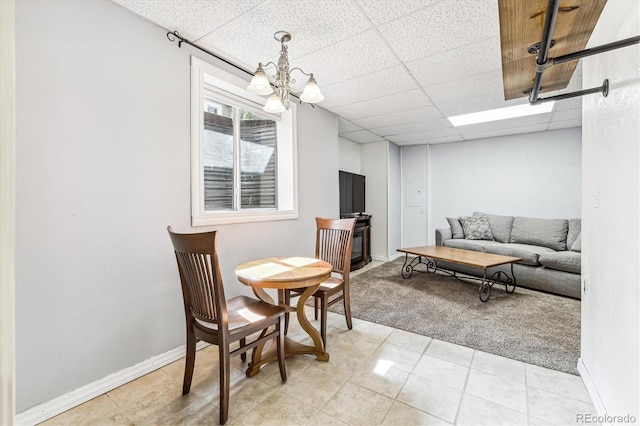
(521, 23)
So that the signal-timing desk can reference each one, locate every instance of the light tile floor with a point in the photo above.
(376, 375)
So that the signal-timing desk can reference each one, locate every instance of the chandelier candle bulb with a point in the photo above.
(274, 105)
(311, 93)
(260, 84)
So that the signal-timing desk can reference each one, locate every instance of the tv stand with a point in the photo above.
(361, 247)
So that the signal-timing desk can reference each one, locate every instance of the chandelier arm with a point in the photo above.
(265, 65)
(309, 74)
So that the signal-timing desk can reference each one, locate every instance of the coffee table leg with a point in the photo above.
(407, 268)
(485, 287)
(510, 284)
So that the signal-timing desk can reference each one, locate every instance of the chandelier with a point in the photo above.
(279, 99)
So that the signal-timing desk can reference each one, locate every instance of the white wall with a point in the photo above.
(611, 223)
(375, 163)
(7, 212)
(349, 156)
(414, 195)
(533, 174)
(394, 201)
(102, 169)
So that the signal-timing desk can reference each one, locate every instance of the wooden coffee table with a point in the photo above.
(475, 259)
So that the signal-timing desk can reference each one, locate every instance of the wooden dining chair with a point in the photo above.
(212, 318)
(334, 239)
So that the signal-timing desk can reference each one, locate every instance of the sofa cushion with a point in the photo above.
(476, 227)
(568, 261)
(456, 228)
(577, 244)
(550, 233)
(500, 226)
(528, 253)
(575, 226)
(475, 245)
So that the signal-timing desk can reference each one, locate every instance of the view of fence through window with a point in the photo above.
(253, 173)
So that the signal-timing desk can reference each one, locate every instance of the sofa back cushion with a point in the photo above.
(500, 226)
(550, 233)
(456, 228)
(575, 226)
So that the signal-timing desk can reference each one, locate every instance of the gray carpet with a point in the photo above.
(529, 326)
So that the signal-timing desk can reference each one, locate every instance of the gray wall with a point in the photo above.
(349, 155)
(102, 168)
(611, 216)
(533, 174)
(375, 165)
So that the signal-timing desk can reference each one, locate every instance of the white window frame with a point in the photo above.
(204, 78)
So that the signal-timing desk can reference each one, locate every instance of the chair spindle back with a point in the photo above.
(200, 277)
(334, 239)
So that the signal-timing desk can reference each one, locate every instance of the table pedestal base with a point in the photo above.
(260, 356)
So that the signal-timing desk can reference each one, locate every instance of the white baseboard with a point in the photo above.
(591, 389)
(395, 256)
(52, 408)
(386, 259)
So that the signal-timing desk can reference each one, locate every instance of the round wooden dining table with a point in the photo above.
(282, 273)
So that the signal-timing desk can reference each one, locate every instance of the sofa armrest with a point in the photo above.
(442, 235)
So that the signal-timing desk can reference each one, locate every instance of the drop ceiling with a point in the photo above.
(391, 70)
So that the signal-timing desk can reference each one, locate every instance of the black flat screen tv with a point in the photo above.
(352, 194)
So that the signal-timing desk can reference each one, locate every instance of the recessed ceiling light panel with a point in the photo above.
(500, 114)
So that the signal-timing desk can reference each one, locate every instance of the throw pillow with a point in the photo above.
(476, 227)
(456, 228)
(577, 244)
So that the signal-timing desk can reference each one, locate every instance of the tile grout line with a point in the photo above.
(464, 388)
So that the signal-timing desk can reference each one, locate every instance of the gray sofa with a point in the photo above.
(549, 248)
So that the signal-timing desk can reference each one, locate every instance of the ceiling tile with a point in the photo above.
(361, 54)
(406, 137)
(362, 136)
(441, 139)
(192, 19)
(565, 124)
(382, 11)
(417, 126)
(384, 105)
(445, 139)
(402, 117)
(442, 26)
(465, 88)
(312, 24)
(504, 132)
(569, 114)
(380, 83)
(345, 126)
(477, 58)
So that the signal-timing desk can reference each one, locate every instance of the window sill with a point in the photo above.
(242, 217)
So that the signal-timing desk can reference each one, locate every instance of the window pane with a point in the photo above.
(258, 142)
(218, 156)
